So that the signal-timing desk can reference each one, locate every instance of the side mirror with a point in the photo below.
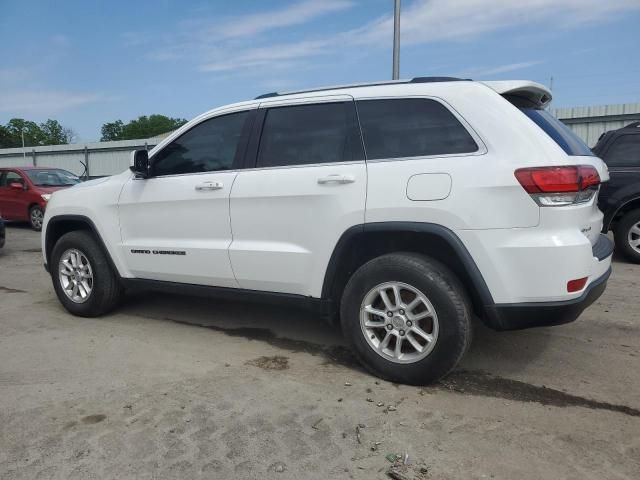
(16, 186)
(140, 163)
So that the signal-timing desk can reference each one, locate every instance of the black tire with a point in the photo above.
(445, 292)
(36, 214)
(621, 235)
(106, 291)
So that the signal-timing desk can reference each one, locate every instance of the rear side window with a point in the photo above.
(404, 127)
(558, 131)
(308, 134)
(625, 152)
(210, 146)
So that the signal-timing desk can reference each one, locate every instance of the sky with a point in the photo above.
(87, 62)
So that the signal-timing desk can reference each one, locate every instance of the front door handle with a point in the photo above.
(341, 179)
(209, 186)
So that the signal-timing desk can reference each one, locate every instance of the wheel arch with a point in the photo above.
(62, 224)
(629, 204)
(362, 243)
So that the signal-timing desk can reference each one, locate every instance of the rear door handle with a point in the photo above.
(341, 179)
(209, 186)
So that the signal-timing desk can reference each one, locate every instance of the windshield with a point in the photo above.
(52, 177)
(558, 131)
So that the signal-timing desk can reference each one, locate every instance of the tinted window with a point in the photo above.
(411, 128)
(52, 177)
(209, 146)
(625, 152)
(305, 134)
(558, 131)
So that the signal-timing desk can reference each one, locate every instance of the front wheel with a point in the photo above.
(84, 282)
(407, 317)
(627, 235)
(36, 215)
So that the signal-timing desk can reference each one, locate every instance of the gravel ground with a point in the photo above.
(178, 387)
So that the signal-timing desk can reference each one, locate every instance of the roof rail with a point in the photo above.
(633, 125)
(371, 84)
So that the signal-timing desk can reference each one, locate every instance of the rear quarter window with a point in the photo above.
(558, 131)
(411, 127)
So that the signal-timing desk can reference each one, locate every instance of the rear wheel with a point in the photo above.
(627, 236)
(36, 215)
(84, 282)
(407, 317)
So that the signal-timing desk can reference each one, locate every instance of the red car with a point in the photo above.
(25, 191)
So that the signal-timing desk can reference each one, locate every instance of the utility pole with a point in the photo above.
(24, 153)
(396, 41)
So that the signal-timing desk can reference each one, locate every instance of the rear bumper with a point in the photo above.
(517, 316)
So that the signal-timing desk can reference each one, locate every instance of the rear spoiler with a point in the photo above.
(532, 91)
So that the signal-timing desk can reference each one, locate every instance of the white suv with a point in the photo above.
(399, 209)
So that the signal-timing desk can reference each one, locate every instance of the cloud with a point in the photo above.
(255, 57)
(295, 14)
(230, 46)
(43, 102)
(134, 39)
(488, 71)
(427, 21)
(60, 41)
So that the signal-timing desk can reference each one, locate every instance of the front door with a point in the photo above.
(175, 224)
(307, 186)
(13, 203)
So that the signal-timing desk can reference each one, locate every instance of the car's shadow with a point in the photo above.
(299, 330)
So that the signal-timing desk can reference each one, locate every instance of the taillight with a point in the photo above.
(557, 186)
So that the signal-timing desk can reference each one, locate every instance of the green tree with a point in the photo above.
(112, 131)
(50, 132)
(142, 127)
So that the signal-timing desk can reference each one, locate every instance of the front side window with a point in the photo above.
(411, 127)
(309, 134)
(12, 177)
(52, 177)
(208, 147)
(625, 152)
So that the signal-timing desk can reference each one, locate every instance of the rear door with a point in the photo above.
(175, 225)
(305, 185)
(622, 156)
(13, 203)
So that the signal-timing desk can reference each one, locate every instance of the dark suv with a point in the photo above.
(620, 197)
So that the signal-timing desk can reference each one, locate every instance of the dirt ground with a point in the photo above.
(177, 387)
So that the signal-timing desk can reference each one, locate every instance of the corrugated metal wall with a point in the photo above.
(591, 122)
(104, 158)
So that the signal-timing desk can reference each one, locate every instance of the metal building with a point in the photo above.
(101, 158)
(591, 122)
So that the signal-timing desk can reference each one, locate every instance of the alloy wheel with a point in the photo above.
(37, 215)
(399, 322)
(633, 237)
(76, 275)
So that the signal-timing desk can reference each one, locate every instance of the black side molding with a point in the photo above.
(77, 219)
(517, 316)
(314, 305)
(418, 227)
